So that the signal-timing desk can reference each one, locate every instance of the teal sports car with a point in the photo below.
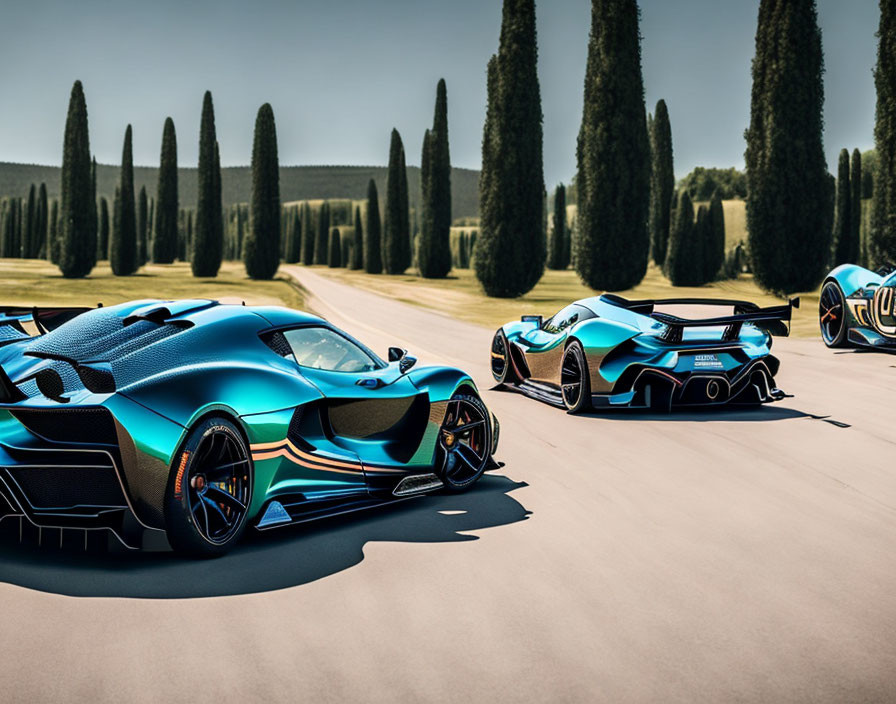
(193, 420)
(607, 352)
(857, 308)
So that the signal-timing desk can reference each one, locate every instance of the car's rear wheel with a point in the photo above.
(209, 491)
(502, 366)
(832, 315)
(575, 380)
(464, 442)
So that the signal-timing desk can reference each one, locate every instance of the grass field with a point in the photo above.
(35, 282)
(461, 297)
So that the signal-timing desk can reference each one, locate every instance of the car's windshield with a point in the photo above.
(566, 317)
(321, 348)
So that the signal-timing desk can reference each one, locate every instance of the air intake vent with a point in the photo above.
(50, 385)
(277, 342)
(95, 380)
(75, 425)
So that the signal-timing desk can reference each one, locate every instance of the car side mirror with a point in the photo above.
(396, 354)
(405, 364)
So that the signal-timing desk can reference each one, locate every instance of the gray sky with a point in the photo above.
(341, 73)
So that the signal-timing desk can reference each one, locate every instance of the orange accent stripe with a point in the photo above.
(287, 449)
(304, 455)
(284, 452)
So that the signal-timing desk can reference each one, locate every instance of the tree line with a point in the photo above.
(800, 219)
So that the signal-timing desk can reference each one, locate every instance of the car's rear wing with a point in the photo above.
(774, 319)
(43, 319)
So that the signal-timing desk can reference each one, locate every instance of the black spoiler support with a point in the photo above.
(773, 319)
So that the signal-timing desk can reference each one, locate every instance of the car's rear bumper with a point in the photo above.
(661, 389)
(69, 473)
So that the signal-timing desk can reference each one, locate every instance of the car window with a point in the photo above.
(322, 348)
(565, 318)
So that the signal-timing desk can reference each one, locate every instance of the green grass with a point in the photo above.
(461, 296)
(34, 282)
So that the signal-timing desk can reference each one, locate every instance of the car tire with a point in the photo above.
(209, 490)
(575, 379)
(832, 315)
(462, 457)
(501, 363)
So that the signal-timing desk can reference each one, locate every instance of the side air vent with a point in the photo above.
(96, 380)
(50, 385)
(278, 344)
(294, 434)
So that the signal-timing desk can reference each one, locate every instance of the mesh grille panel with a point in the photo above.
(78, 425)
(64, 487)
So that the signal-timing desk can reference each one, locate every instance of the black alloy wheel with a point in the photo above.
(464, 444)
(832, 315)
(210, 490)
(500, 359)
(575, 381)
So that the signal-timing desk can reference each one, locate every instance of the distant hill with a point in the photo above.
(296, 183)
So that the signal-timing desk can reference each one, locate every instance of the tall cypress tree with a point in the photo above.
(373, 262)
(164, 241)
(53, 235)
(714, 250)
(684, 264)
(28, 226)
(787, 177)
(142, 222)
(323, 234)
(843, 213)
(76, 245)
(149, 228)
(94, 214)
(613, 154)
(102, 251)
(434, 246)
(357, 260)
(41, 224)
(123, 248)
(116, 219)
(855, 180)
(208, 239)
(294, 242)
(308, 235)
(558, 244)
(397, 226)
(510, 249)
(262, 248)
(334, 252)
(662, 182)
(883, 221)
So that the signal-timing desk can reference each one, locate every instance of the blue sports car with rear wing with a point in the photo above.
(608, 352)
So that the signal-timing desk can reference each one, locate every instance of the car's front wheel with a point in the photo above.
(464, 443)
(209, 490)
(832, 315)
(575, 379)
(501, 364)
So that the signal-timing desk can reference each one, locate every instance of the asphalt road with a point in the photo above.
(717, 557)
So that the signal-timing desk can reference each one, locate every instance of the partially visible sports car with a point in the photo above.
(857, 308)
(607, 352)
(195, 420)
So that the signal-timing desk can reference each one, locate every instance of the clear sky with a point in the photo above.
(341, 73)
